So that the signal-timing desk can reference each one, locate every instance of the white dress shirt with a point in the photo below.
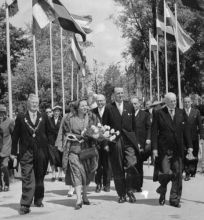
(188, 111)
(101, 111)
(33, 116)
(120, 107)
(171, 112)
(137, 111)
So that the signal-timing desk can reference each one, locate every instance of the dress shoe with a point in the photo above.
(106, 188)
(122, 199)
(98, 189)
(162, 199)
(6, 188)
(175, 204)
(138, 190)
(78, 205)
(60, 179)
(53, 179)
(86, 202)
(192, 175)
(24, 210)
(131, 196)
(38, 204)
(187, 178)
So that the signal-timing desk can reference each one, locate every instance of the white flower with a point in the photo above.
(99, 125)
(112, 138)
(96, 130)
(112, 131)
(105, 127)
(117, 133)
(93, 127)
(106, 134)
(96, 136)
(108, 127)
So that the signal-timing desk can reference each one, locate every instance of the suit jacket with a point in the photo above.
(122, 123)
(142, 127)
(23, 133)
(102, 120)
(53, 129)
(168, 134)
(195, 124)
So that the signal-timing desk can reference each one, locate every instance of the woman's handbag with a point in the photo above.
(88, 153)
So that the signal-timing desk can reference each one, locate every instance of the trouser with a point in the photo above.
(171, 171)
(103, 173)
(190, 167)
(4, 170)
(33, 169)
(139, 167)
(123, 160)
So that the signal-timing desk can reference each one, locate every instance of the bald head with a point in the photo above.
(101, 100)
(170, 100)
(33, 103)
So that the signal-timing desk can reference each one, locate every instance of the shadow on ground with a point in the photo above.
(64, 202)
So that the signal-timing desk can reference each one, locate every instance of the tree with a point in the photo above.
(19, 46)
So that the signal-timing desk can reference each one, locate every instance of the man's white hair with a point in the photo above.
(169, 95)
(32, 97)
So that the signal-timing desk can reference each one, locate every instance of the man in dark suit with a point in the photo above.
(142, 128)
(122, 153)
(104, 170)
(30, 132)
(193, 119)
(168, 132)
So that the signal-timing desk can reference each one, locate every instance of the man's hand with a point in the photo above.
(106, 148)
(148, 141)
(155, 154)
(13, 157)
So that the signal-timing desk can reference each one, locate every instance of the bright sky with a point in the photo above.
(106, 37)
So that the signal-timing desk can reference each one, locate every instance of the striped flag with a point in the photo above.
(184, 40)
(76, 50)
(66, 20)
(153, 45)
(12, 7)
(84, 22)
(43, 13)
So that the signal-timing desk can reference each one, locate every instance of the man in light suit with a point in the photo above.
(168, 133)
(142, 128)
(193, 119)
(30, 132)
(123, 153)
(104, 170)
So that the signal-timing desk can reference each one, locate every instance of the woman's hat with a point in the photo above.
(2, 108)
(57, 107)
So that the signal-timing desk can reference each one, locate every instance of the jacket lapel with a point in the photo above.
(168, 118)
(116, 111)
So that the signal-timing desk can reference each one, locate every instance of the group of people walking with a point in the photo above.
(167, 133)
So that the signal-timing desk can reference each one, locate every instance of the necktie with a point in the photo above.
(120, 108)
(172, 113)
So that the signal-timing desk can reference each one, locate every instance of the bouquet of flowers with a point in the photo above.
(101, 132)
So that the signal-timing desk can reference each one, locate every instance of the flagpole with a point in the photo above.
(51, 67)
(9, 64)
(35, 66)
(178, 63)
(62, 69)
(77, 86)
(150, 67)
(165, 49)
(72, 81)
(158, 80)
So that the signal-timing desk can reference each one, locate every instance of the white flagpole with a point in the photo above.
(150, 68)
(158, 80)
(178, 63)
(72, 81)
(35, 66)
(77, 86)
(62, 69)
(9, 64)
(165, 49)
(51, 67)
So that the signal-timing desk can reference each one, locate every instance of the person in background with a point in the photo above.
(168, 135)
(92, 100)
(6, 127)
(103, 173)
(54, 153)
(31, 133)
(193, 119)
(49, 112)
(142, 129)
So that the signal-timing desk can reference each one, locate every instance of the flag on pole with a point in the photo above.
(184, 40)
(43, 13)
(153, 45)
(76, 50)
(161, 27)
(12, 7)
(84, 22)
(66, 20)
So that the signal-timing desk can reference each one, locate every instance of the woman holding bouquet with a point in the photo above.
(79, 172)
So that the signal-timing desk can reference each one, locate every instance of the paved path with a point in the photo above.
(104, 205)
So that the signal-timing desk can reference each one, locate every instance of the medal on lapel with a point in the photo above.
(33, 129)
